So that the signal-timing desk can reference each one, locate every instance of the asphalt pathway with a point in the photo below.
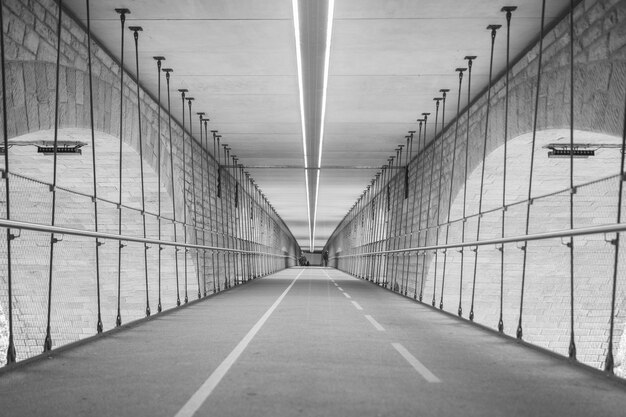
(305, 342)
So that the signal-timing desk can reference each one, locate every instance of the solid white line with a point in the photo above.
(358, 307)
(346, 294)
(376, 324)
(416, 364)
(200, 396)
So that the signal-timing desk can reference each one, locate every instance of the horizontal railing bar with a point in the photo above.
(592, 230)
(14, 224)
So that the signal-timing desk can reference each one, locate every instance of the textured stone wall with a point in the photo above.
(188, 179)
(599, 90)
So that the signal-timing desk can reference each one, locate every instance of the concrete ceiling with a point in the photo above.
(388, 59)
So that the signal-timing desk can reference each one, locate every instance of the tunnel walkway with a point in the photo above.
(310, 342)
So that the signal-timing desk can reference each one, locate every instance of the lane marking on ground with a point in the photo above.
(346, 294)
(200, 396)
(376, 324)
(358, 307)
(340, 289)
(416, 364)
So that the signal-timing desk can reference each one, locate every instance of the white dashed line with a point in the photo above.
(358, 307)
(340, 289)
(376, 324)
(416, 364)
(347, 295)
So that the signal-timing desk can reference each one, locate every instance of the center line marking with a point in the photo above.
(376, 324)
(200, 396)
(346, 294)
(416, 364)
(358, 307)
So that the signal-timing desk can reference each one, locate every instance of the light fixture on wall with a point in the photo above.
(578, 150)
(62, 148)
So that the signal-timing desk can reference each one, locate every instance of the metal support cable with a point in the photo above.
(118, 319)
(456, 136)
(48, 340)
(470, 59)
(216, 282)
(136, 30)
(493, 29)
(11, 352)
(440, 194)
(610, 362)
(421, 205)
(167, 72)
(193, 194)
(419, 164)
(572, 343)
(519, 332)
(94, 174)
(430, 193)
(508, 10)
(158, 60)
(182, 92)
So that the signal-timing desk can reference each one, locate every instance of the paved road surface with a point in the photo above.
(305, 342)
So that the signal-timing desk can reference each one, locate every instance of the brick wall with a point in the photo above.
(30, 41)
(599, 86)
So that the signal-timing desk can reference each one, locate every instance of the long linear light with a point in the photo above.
(329, 35)
(296, 26)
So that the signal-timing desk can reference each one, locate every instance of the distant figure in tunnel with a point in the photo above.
(302, 260)
(325, 258)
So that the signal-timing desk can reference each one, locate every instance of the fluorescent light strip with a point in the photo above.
(296, 25)
(329, 35)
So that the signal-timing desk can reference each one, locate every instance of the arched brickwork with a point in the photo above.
(599, 90)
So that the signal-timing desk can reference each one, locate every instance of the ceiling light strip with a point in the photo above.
(296, 26)
(329, 35)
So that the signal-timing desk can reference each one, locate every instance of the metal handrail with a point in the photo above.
(592, 230)
(15, 224)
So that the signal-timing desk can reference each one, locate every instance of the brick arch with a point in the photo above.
(547, 280)
(74, 291)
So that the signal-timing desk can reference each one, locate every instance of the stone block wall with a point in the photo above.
(437, 183)
(188, 185)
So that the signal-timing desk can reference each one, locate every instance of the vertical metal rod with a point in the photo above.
(397, 224)
(11, 353)
(409, 213)
(519, 332)
(195, 200)
(609, 363)
(136, 30)
(214, 258)
(184, 168)
(418, 165)
(456, 136)
(421, 205)
(572, 343)
(167, 72)
(48, 340)
(158, 60)
(203, 173)
(222, 224)
(412, 211)
(120, 246)
(430, 193)
(493, 29)
(94, 175)
(508, 10)
(388, 213)
(470, 59)
(224, 219)
(440, 195)
(382, 202)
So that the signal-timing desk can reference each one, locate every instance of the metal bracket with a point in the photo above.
(568, 244)
(15, 236)
(611, 241)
